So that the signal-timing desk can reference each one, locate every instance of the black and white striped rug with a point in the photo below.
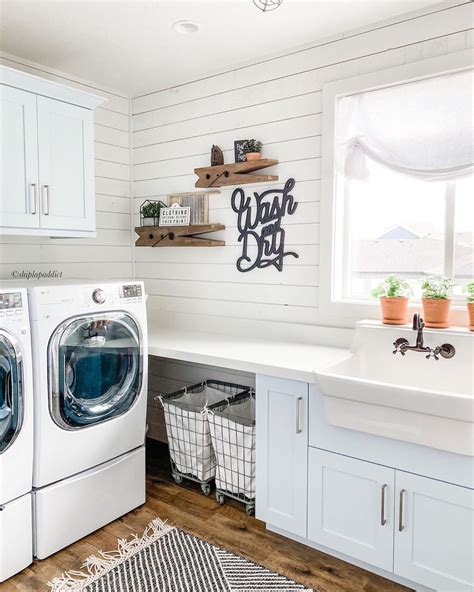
(166, 559)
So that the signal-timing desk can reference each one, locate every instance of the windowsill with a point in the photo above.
(367, 309)
(456, 329)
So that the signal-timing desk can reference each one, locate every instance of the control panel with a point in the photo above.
(131, 291)
(11, 305)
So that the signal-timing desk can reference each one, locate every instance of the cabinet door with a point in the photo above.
(434, 533)
(282, 453)
(66, 166)
(350, 507)
(18, 159)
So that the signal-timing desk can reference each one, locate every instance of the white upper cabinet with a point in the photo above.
(19, 159)
(47, 157)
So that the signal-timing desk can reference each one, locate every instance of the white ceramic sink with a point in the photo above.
(407, 397)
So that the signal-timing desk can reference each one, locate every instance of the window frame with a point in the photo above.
(332, 233)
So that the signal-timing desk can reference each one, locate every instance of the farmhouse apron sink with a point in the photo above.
(411, 398)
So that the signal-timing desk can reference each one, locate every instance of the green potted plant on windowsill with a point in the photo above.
(393, 293)
(253, 150)
(469, 290)
(436, 301)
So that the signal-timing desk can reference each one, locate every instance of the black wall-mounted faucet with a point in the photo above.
(402, 345)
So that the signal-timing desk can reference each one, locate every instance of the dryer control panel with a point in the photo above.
(11, 305)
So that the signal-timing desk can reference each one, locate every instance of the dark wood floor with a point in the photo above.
(228, 526)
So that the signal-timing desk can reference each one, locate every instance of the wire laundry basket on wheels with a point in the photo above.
(232, 428)
(191, 452)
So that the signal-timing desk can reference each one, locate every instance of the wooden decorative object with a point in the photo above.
(198, 201)
(178, 236)
(217, 156)
(234, 174)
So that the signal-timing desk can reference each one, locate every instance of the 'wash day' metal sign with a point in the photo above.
(260, 226)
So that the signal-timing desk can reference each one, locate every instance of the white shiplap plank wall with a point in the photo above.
(277, 100)
(109, 255)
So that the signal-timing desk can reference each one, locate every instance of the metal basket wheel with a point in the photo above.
(220, 498)
(250, 509)
(206, 488)
(177, 478)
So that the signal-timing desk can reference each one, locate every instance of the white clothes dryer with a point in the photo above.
(16, 433)
(90, 361)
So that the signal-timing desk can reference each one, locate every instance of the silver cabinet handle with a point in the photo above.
(383, 518)
(298, 415)
(46, 189)
(401, 526)
(33, 198)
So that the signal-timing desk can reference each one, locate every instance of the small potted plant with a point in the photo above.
(253, 149)
(436, 301)
(150, 212)
(393, 293)
(469, 290)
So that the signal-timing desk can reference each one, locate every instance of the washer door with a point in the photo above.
(95, 369)
(11, 391)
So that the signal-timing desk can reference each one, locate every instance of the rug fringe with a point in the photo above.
(100, 564)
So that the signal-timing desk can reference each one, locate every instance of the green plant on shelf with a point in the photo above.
(393, 286)
(152, 209)
(252, 146)
(437, 287)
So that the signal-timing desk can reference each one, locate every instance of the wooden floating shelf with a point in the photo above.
(235, 174)
(178, 236)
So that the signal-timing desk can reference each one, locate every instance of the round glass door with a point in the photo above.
(11, 404)
(96, 369)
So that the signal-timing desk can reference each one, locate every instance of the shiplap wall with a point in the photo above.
(109, 255)
(277, 100)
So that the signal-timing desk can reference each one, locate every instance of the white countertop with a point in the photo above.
(287, 359)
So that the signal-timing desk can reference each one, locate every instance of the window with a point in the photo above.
(398, 188)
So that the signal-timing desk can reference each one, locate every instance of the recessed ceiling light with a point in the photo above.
(185, 27)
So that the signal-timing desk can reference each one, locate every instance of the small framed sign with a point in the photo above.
(239, 153)
(175, 215)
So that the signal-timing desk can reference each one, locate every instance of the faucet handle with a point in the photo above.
(416, 321)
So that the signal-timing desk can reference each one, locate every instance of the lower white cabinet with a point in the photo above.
(420, 529)
(282, 453)
(434, 533)
(350, 507)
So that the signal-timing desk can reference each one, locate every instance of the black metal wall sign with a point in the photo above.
(259, 224)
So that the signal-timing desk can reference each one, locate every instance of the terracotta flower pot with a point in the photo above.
(436, 312)
(394, 310)
(470, 310)
(253, 155)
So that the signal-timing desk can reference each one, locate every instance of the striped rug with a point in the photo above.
(166, 559)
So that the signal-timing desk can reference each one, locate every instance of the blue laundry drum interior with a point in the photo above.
(95, 369)
(11, 399)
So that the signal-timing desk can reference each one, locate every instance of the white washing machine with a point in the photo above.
(16, 433)
(90, 365)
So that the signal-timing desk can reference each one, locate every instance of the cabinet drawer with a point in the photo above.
(350, 507)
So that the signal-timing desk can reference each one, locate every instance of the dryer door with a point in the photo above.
(11, 390)
(96, 365)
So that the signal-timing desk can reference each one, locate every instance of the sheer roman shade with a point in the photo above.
(423, 128)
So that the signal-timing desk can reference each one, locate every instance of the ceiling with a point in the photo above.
(131, 46)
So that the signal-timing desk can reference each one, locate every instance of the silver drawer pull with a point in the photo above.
(383, 518)
(33, 198)
(401, 525)
(46, 190)
(298, 415)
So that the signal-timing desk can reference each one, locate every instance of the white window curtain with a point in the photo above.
(423, 129)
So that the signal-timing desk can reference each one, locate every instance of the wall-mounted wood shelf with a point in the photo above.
(178, 236)
(234, 174)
